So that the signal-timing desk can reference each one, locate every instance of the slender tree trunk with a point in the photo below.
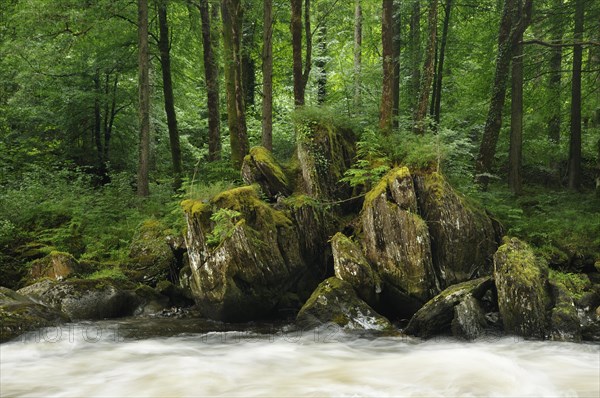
(308, 37)
(357, 52)
(516, 121)
(143, 186)
(415, 52)
(211, 76)
(575, 141)
(296, 30)
(267, 72)
(396, 83)
(111, 122)
(507, 37)
(427, 77)
(97, 119)
(555, 77)
(321, 65)
(248, 71)
(165, 62)
(236, 113)
(387, 94)
(440, 66)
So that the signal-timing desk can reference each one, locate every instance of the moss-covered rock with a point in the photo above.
(56, 265)
(19, 314)
(85, 299)
(259, 167)
(463, 237)
(335, 301)
(564, 321)
(440, 315)
(396, 240)
(522, 284)
(255, 264)
(350, 265)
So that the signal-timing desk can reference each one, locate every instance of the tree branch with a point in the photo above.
(547, 44)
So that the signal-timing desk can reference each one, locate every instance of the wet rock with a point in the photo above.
(56, 265)
(351, 266)
(395, 239)
(19, 314)
(335, 301)
(463, 237)
(84, 299)
(259, 167)
(564, 321)
(440, 314)
(522, 284)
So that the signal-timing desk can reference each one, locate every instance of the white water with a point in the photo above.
(77, 362)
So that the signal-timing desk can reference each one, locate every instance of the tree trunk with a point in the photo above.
(143, 186)
(267, 72)
(516, 121)
(357, 52)
(165, 62)
(507, 37)
(387, 94)
(236, 113)
(296, 30)
(396, 83)
(211, 76)
(420, 126)
(440, 66)
(321, 63)
(415, 52)
(111, 121)
(575, 141)
(554, 80)
(308, 37)
(248, 71)
(97, 120)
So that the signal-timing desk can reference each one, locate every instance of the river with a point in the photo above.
(108, 359)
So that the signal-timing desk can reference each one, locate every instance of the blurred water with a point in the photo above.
(100, 360)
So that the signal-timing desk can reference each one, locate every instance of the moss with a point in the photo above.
(298, 201)
(193, 207)
(262, 155)
(383, 185)
(576, 284)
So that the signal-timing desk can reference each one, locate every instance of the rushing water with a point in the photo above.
(108, 359)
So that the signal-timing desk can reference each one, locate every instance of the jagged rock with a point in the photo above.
(522, 284)
(150, 256)
(56, 265)
(20, 314)
(259, 167)
(564, 322)
(396, 241)
(351, 266)
(438, 314)
(325, 151)
(335, 301)
(463, 237)
(255, 262)
(84, 299)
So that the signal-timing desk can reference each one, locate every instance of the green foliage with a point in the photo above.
(371, 164)
(576, 284)
(224, 223)
(108, 273)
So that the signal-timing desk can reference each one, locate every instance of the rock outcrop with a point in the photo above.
(56, 265)
(260, 168)
(335, 301)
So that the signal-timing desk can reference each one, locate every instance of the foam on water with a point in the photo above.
(321, 363)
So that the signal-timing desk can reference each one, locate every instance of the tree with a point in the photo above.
(555, 76)
(165, 62)
(267, 72)
(511, 28)
(516, 118)
(575, 139)
(211, 77)
(396, 83)
(420, 126)
(299, 72)
(231, 12)
(143, 188)
(439, 74)
(357, 51)
(415, 53)
(387, 93)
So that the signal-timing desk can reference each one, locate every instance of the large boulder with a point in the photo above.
(259, 167)
(523, 291)
(463, 237)
(350, 265)
(457, 308)
(243, 272)
(20, 314)
(84, 299)
(396, 241)
(56, 265)
(335, 301)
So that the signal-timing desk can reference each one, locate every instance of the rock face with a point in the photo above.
(564, 321)
(20, 314)
(256, 261)
(463, 237)
(56, 265)
(84, 299)
(522, 284)
(457, 308)
(335, 301)
(260, 168)
(396, 240)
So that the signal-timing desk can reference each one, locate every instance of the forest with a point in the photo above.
(114, 112)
